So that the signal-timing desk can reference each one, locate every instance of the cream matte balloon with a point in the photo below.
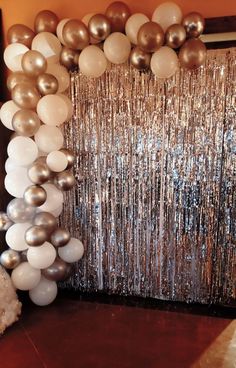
(22, 150)
(44, 293)
(15, 236)
(92, 61)
(46, 21)
(13, 55)
(159, 65)
(16, 181)
(39, 173)
(69, 105)
(35, 236)
(49, 138)
(52, 110)
(54, 198)
(46, 220)
(25, 277)
(57, 211)
(49, 45)
(117, 48)
(41, 257)
(133, 25)
(19, 212)
(72, 252)
(47, 84)
(35, 195)
(26, 123)
(10, 165)
(33, 63)
(25, 95)
(62, 76)
(10, 259)
(16, 78)
(19, 33)
(60, 29)
(166, 14)
(70, 157)
(57, 161)
(7, 112)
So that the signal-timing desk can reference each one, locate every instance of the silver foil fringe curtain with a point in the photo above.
(155, 203)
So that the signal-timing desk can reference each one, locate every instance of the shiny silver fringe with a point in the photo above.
(155, 202)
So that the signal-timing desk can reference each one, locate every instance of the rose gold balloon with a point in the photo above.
(26, 123)
(35, 195)
(175, 36)
(118, 13)
(46, 21)
(10, 259)
(35, 236)
(60, 237)
(33, 63)
(47, 84)
(21, 34)
(46, 220)
(65, 180)
(25, 95)
(99, 27)
(17, 78)
(150, 37)
(140, 59)
(58, 271)
(70, 157)
(75, 34)
(39, 173)
(69, 58)
(194, 24)
(192, 54)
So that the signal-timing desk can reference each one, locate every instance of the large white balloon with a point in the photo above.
(44, 293)
(25, 277)
(72, 252)
(49, 138)
(16, 181)
(61, 74)
(60, 29)
(117, 48)
(133, 24)
(22, 150)
(57, 211)
(159, 65)
(10, 165)
(15, 236)
(92, 61)
(41, 257)
(49, 46)
(69, 105)
(13, 54)
(52, 110)
(166, 14)
(54, 198)
(7, 112)
(57, 161)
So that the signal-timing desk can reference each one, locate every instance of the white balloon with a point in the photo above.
(52, 110)
(72, 251)
(166, 14)
(10, 165)
(61, 74)
(69, 106)
(92, 61)
(133, 24)
(159, 65)
(41, 257)
(117, 48)
(54, 198)
(57, 211)
(15, 236)
(13, 54)
(22, 150)
(25, 277)
(49, 46)
(60, 29)
(57, 161)
(7, 112)
(16, 181)
(44, 293)
(49, 138)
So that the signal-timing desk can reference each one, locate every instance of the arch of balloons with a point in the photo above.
(38, 167)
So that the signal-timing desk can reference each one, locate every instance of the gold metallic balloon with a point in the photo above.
(150, 37)
(75, 34)
(175, 36)
(33, 63)
(47, 84)
(58, 271)
(26, 123)
(46, 220)
(21, 34)
(140, 59)
(35, 195)
(194, 24)
(23, 256)
(69, 58)
(192, 54)
(65, 180)
(10, 259)
(17, 78)
(25, 95)
(99, 27)
(60, 237)
(39, 173)
(118, 14)
(70, 157)
(35, 236)
(46, 21)
(5, 222)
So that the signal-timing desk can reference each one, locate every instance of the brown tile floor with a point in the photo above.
(80, 334)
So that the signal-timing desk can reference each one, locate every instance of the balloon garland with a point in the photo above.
(38, 167)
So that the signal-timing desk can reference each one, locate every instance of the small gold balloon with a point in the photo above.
(99, 27)
(10, 259)
(23, 256)
(192, 54)
(65, 180)
(33, 63)
(60, 237)
(194, 24)
(21, 34)
(46, 21)
(75, 34)
(35, 236)
(17, 78)
(69, 58)
(118, 14)
(46, 220)
(140, 59)
(47, 84)
(39, 173)
(150, 37)
(5, 222)
(26, 123)
(175, 36)
(25, 95)
(70, 157)
(58, 271)
(35, 195)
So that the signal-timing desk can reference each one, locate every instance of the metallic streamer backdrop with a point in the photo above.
(155, 203)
